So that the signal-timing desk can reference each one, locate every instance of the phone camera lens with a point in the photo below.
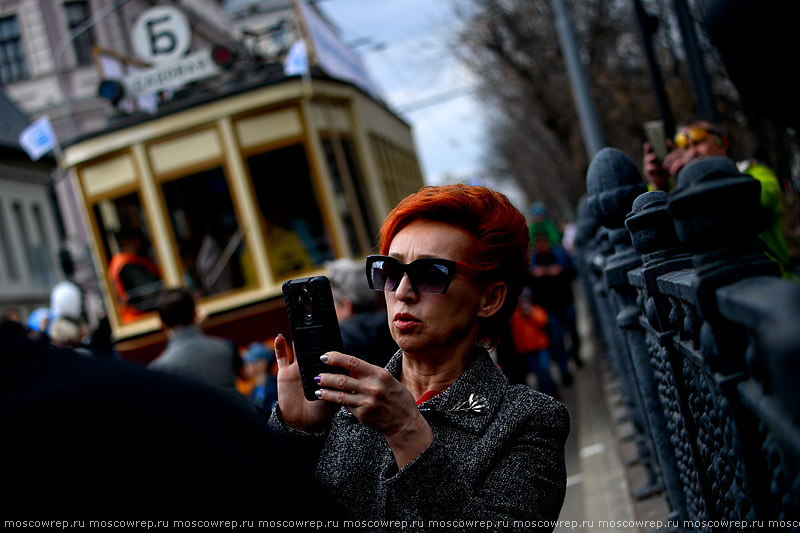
(305, 300)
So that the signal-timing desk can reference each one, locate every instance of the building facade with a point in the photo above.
(29, 231)
(52, 58)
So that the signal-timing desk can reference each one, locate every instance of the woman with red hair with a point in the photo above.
(439, 434)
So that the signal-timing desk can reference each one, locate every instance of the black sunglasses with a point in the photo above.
(426, 275)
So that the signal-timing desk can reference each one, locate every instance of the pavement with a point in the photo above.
(602, 466)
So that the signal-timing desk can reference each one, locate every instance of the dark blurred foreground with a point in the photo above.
(98, 439)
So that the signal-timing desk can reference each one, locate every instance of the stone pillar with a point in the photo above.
(613, 182)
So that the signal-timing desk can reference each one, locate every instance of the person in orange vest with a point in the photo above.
(135, 278)
(531, 341)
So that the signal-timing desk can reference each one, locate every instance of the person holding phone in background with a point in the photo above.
(697, 138)
(439, 433)
(364, 325)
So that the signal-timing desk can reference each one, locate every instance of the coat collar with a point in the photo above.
(482, 377)
(184, 332)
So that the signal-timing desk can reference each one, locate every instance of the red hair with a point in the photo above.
(499, 230)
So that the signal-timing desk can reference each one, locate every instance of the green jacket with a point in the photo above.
(775, 243)
(546, 226)
(772, 202)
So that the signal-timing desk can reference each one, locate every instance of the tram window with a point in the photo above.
(295, 230)
(132, 270)
(359, 189)
(213, 250)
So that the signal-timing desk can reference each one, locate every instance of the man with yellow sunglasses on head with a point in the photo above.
(701, 138)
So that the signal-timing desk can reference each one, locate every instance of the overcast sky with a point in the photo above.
(405, 46)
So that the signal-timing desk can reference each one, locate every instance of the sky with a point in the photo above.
(405, 45)
(407, 48)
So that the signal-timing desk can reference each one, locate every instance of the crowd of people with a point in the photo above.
(423, 426)
(542, 336)
(457, 339)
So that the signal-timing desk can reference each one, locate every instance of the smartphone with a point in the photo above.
(315, 328)
(654, 132)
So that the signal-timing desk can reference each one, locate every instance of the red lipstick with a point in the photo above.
(405, 322)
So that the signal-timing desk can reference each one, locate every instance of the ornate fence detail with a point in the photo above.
(704, 334)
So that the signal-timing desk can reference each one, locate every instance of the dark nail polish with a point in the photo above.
(317, 379)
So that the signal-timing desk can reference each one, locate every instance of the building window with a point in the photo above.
(399, 170)
(212, 244)
(77, 13)
(5, 249)
(44, 270)
(13, 65)
(359, 191)
(22, 231)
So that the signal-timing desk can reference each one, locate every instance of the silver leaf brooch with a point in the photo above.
(477, 403)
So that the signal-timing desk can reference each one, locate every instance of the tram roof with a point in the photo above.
(196, 96)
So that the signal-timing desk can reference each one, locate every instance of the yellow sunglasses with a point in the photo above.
(694, 135)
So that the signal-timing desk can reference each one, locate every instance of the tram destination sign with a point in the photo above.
(194, 67)
(161, 34)
(162, 37)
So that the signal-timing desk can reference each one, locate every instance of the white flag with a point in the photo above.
(296, 61)
(38, 138)
(331, 54)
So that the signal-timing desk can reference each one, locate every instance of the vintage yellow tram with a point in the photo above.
(231, 194)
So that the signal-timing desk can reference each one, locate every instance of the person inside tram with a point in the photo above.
(135, 278)
(438, 433)
(288, 249)
(217, 262)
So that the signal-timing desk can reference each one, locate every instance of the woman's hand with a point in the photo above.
(378, 401)
(296, 411)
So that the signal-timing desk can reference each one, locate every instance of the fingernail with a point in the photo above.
(318, 393)
(323, 358)
(317, 379)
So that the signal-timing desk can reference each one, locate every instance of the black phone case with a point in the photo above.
(315, 328)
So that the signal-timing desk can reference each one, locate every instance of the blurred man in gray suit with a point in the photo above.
(190, 353)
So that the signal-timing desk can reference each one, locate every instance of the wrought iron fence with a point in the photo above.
(704, 335)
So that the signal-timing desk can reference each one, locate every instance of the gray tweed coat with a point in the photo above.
(504, 466)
